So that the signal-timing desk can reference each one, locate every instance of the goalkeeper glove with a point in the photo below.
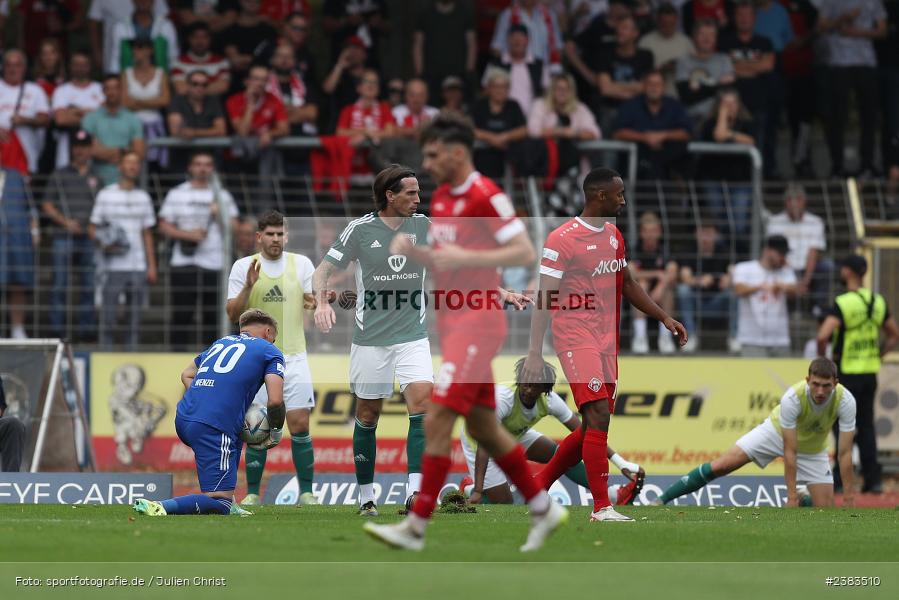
(274, 439)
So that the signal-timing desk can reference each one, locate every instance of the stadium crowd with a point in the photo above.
(78, 115)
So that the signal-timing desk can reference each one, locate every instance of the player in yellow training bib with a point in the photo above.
(796, 430)
(280, 283)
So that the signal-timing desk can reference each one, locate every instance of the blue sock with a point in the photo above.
(197, 504)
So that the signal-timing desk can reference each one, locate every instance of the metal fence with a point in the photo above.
(62, 299)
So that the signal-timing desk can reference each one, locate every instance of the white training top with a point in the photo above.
(272, 268)
(790, 408)
(505, 400)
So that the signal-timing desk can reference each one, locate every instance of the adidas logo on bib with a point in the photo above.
(376, 244)
(274, 295)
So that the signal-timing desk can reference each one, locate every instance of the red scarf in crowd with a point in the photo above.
(297, 89)
(554, 56)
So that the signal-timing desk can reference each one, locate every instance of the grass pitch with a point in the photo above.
(670, 552)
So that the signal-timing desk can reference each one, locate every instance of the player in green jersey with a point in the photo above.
(390, 337)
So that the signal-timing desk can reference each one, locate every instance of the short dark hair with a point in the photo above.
(195, 27)
(704, 23)
(201, 152)
(823, 367)
(856, 263)
(547, 377)
(110, 76)
(449, 129)
(666, 9)
(598, 178)
(389, 179)
(254, 316)
(653, 72)
(519, 28)
(270, 218)
(778, 243)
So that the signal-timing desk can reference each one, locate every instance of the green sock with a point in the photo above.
(415, 442)
(578, 474)
(255, 466)
(303, 460)
(365, 449)
(690, 482)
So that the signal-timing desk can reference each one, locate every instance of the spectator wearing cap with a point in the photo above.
(245, 40)
(12, 437)
(415, 112)
(342, 81)
(365, 19)
(545, 39)
(103, 16)
(145, 91)
(528, 75)
(804, 232)
(68, 201)
(856, 322)
(499, 123)
(121, 225)
(452, 90)
(258, 117)
(660, 125)
(195, 114)
(667, 44)
(200, 57)
(115, 130)
(144, 22)
(762, 287)
(440, 25)
(71, 101)
(366, 122)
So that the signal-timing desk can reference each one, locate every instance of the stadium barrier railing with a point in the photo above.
(680, 205)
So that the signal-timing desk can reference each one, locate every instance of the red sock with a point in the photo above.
(515, 466)
(596, 461)
(434, 470)
(567, 455)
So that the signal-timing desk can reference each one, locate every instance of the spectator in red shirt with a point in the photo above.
(258, 117)
(366, 122)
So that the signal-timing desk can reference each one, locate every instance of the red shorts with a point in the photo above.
(465, 378)
(591, 375)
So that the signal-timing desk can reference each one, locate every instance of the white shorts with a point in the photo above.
(374, 368)
(297, 384)
(494, 475)
(763, 444)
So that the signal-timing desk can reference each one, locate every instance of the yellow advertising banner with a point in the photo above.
(671, 413)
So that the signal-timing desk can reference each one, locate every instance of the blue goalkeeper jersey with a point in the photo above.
(229, 373)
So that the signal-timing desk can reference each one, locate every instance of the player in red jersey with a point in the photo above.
(474, 231)
(583, 276)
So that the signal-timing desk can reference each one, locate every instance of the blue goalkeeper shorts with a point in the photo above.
(217, 454)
